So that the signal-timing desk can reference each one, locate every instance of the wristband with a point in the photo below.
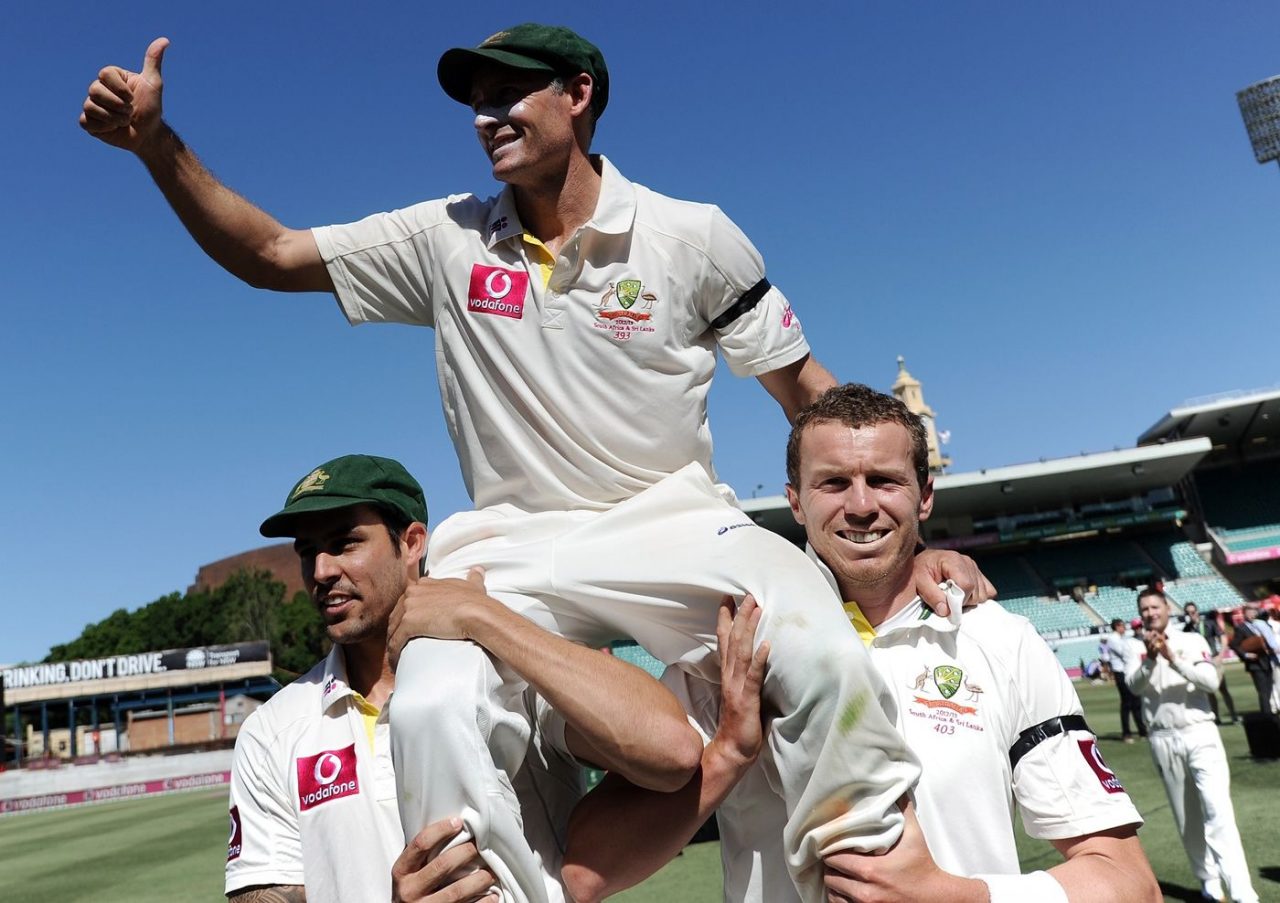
(1038, 886)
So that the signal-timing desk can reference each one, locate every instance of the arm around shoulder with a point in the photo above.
(616, 715)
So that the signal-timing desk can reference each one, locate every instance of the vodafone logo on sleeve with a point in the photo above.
(498, 291)
(326, 776)
(234, 842)
(1106, 777)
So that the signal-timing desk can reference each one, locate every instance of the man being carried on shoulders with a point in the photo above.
(596, 519)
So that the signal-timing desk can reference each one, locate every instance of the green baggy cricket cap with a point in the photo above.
(539, 48)
(347, 481)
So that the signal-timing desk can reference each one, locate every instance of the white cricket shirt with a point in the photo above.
(965, 693)
(576, 381)
(1175, 695)
(1122, 651)
(313, 804)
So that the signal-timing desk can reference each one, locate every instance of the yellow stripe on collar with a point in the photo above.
(368, 713)
(541, 257)
(860, 623)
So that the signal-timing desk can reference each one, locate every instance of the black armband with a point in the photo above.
(1038, 733)
(750, 298)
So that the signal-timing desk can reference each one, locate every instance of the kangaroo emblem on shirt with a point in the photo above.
(920, 681)
(625, 309)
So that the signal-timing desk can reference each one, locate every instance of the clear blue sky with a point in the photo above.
(1050, 209)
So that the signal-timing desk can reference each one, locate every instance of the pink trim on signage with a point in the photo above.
(1253, 555)
(118, 792)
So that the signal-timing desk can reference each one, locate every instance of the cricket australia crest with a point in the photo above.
(933, 702)
(626, 309)
(947, 679)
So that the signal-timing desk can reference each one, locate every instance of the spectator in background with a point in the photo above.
(1211, 630)
(1122, 652)
(1174, 680)
(1256, 644)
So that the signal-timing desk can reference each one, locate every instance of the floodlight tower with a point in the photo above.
(1260, 107)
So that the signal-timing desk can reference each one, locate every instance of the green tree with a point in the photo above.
(249, 606)
(247, 603)
(299, 640)
(114, 634)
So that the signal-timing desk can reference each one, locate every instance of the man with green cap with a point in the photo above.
(599, 515)
(313, 798)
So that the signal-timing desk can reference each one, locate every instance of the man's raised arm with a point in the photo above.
(124, 109)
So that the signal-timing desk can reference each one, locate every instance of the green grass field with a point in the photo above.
(172, 848)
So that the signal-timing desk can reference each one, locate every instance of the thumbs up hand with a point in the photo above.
(123, 108)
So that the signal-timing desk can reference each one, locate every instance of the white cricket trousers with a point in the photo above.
(653, 568)
(1193, 764)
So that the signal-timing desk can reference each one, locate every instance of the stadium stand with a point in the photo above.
(1014, 576)
(1049, 614)
(1112, 602)
(1066, 564)
(1242, 508)
(1251, 539)
(1241, 499)
(638, 656)
(1176, 557)
(1210, 593)
(1072, 653)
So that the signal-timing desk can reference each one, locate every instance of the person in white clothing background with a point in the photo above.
(1121, 651)
(1174, 679)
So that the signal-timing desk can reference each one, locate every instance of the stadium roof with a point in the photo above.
(1080, 479)
(1242, 420)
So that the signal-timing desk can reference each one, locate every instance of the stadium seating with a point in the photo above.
(1240, 498)
(1111, 602)
(1208, 593)
(1048, 613)
(639, 656)
(1187, 561)
(1089, 562)
(1071, 653)
(1248, 538)
(1012, 575)
(1176, 557)
(1241, 505)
